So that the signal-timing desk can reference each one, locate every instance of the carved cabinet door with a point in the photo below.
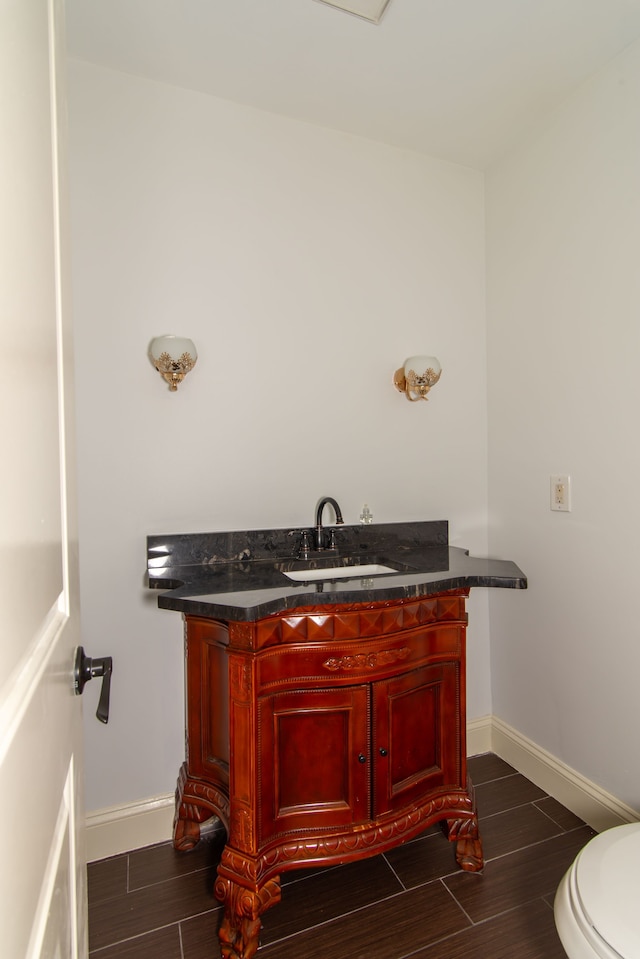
(417, 735)
(314, 758)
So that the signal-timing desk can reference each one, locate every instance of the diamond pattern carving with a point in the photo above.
(353, 621)
(392, 619)
(320, 627)
(352, 627)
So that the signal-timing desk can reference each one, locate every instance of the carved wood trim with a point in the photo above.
(242, 634)
(196, 801)
(456, 808)
(242, 832)
(247, 902)
(367, 660)
(240, 679)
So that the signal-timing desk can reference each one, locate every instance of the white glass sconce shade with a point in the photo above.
(173, 357)
(417, 376)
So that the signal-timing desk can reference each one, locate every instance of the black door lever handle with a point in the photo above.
(84, 670)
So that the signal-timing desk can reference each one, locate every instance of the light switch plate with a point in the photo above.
(560, 492)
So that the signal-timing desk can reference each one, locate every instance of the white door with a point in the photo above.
(42, 884)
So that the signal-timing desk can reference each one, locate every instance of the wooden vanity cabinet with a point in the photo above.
(323, 735)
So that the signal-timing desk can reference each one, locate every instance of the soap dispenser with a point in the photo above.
(366, 516)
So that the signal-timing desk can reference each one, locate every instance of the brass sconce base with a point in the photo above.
(415, 386)
(174, 371)
(399, 380)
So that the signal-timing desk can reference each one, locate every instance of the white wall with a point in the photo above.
(306, 265)
(563, 215)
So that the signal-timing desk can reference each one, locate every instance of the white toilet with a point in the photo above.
(597, 905)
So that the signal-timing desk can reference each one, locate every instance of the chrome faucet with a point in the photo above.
(321, 541)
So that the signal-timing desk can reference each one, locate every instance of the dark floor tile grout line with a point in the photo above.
(554, 821)
(407, 955)
(532, 845)
(294, 877)
(122, 942)
(146, 932)
(474, 925)
(452, 935)
(343, 915)
(441, 880)
(535, 802)
(502, 812)
(498, 779)
(159, 882)
(402, 885)
(458, 904)
(505, 912)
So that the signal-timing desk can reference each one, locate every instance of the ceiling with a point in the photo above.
(457, 79)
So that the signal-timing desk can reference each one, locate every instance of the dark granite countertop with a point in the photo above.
(240, 575)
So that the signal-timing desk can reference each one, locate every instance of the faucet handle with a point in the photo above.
(305, 544)
(332, 539)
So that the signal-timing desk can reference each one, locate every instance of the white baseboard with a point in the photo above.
(120, 828)
(587, 800)
(479, 736)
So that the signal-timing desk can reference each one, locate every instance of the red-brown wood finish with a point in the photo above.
(323, 735)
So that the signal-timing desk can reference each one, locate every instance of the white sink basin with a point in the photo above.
(338, 572)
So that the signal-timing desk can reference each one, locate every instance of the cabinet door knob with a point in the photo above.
(362, 758)
(383, 751)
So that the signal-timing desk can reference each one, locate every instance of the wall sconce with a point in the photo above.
(173, 357)
(415, 384)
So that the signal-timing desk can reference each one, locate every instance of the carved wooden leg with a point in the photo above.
(469, 854)
(195, 803)
(240, 929)
(465, 834)
(186, 833)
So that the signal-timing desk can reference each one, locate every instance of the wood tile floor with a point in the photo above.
(155, 903)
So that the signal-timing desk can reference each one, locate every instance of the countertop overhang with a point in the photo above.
(240, 575)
